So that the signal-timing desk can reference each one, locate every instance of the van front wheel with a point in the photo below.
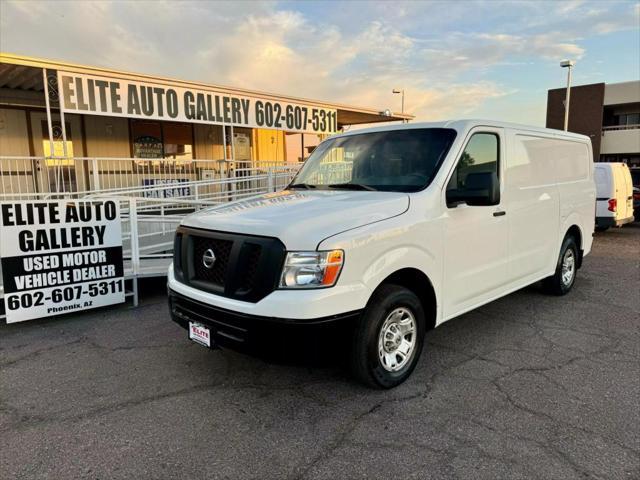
(389, 337)
(562, 280)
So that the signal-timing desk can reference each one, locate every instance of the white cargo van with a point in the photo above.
(393, 230)
(614, 195)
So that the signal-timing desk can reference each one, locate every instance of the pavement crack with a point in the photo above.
(39, 352)
(334, 444)
(29, 421)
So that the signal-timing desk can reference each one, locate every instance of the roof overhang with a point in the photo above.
(25, 73)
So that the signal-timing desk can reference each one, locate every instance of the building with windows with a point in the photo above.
(74, 128)
(608, 113)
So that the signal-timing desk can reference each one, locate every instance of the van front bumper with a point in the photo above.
(239, 330)
(302, 304)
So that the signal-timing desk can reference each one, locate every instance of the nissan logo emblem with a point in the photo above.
(208, 258)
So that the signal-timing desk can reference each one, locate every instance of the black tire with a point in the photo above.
(365, 362)
(555, 284)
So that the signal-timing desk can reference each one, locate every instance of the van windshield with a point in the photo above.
(394, 161)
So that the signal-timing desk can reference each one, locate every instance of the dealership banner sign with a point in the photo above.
(60, 256)
(97, 95)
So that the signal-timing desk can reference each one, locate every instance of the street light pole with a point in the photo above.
(402, 107)
(568, 64)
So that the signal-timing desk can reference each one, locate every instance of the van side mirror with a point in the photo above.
(481, 189)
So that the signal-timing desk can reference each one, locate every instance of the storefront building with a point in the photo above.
(100, 128)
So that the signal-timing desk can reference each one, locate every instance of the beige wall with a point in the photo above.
(107, 136)
(208, 139)
(16, 175)
(14, 139)
(620, 141)
(624, 92)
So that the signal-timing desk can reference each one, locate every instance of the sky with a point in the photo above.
(456, 59)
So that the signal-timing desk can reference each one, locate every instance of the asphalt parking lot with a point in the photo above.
(529, 386)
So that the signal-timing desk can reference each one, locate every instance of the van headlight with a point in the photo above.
(311, 269)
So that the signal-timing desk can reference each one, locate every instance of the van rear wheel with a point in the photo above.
(389, 337)
(561, 282)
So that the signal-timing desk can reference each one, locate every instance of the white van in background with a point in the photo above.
(614, 195)
(389, 231)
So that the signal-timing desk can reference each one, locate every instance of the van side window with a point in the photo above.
(481, 155)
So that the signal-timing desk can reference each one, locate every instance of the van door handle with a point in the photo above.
(499, 213)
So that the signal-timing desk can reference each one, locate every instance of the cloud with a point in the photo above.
(443, 54)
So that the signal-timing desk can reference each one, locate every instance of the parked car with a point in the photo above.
(393, 230)
(614, 195)
(635, 178)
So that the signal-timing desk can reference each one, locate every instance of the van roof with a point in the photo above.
(466, 124)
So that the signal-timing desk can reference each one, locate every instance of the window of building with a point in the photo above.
(625, 119)
(178, 141)
(633, 119)
(160, 142)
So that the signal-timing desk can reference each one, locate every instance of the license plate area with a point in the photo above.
(200, 334)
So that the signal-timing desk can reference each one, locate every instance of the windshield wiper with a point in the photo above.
(352, 186)
(301, 185)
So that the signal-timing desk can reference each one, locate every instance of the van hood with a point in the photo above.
(301, 219)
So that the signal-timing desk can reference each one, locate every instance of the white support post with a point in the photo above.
(224, 142)
(233, 188)
(45, 167)
(234, 185)
(135, 247)
(65, 154)
(164, 224)
(62, 125)
(134, 284)
(96, 174)
(270, 185)
(48, 107)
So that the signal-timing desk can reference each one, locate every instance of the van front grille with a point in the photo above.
(221, 250)
(246, 267)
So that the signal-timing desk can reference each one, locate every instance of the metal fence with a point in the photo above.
(41, 177)
(155, 195)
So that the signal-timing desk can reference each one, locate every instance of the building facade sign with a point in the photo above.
(148, 147)
(176, 188)
(60, 256)
(109, 96)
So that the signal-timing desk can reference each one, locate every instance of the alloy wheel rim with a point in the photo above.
(397, 339)
(568, 267)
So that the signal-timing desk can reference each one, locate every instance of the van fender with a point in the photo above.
(573, 219)
(403, 257)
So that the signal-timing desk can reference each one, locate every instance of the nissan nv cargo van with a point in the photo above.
(395, 230)
(614, 195)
